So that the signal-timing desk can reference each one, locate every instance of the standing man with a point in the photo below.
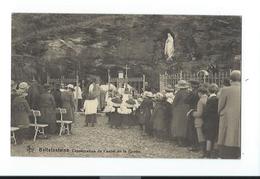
(77, 91)
(192, 100)
(91, 86)
(229, 109)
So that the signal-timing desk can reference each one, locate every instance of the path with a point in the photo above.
(102, 141)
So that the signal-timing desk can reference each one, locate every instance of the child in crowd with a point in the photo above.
(210, 120)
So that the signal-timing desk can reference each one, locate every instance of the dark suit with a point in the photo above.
(192, 99)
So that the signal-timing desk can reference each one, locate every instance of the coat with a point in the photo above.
(68, 104)
(198, 114)
(48, 111)
(33, 95)
(145, 111)
(229, 109)
(210, 119)
(57, 97)
(20, 112)
(159, 117)
(178, 126)
(192, 101)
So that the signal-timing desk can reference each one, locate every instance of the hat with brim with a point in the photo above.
(21, 92)
(159, 95)
(70, 86)
(169, 89)
(182, 84)
(23, 86)
(149, 94)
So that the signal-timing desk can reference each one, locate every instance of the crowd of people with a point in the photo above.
(44, 98)
(199, 116)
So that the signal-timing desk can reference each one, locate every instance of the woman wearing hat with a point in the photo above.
(20, 115)
(179, 111)
(48, 109)
(67, 100)
(159, 117)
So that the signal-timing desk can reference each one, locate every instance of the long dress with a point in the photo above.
(68, 104)
(169, 47)
(20, 116)
(34, 95)
(159, 119)
(48, 111)
(179, 119)
(20, 112)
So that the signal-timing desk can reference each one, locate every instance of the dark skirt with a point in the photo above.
(210, 130)
(115, 119)
(91, 118)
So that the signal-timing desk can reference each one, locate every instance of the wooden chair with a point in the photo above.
(13, 129)
(64, 125)
(39, 128)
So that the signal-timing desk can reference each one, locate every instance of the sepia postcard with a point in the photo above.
(126, 86)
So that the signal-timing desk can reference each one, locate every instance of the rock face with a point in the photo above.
(62, 44)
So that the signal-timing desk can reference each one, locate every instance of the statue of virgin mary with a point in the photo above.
(169, 47)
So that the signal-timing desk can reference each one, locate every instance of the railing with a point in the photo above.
(172, 80)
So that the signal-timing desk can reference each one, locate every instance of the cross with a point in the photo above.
(126, 68)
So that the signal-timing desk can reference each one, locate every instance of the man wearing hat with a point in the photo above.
(229, 109)
(192, 100)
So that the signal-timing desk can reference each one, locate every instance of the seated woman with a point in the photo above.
(20, 115)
